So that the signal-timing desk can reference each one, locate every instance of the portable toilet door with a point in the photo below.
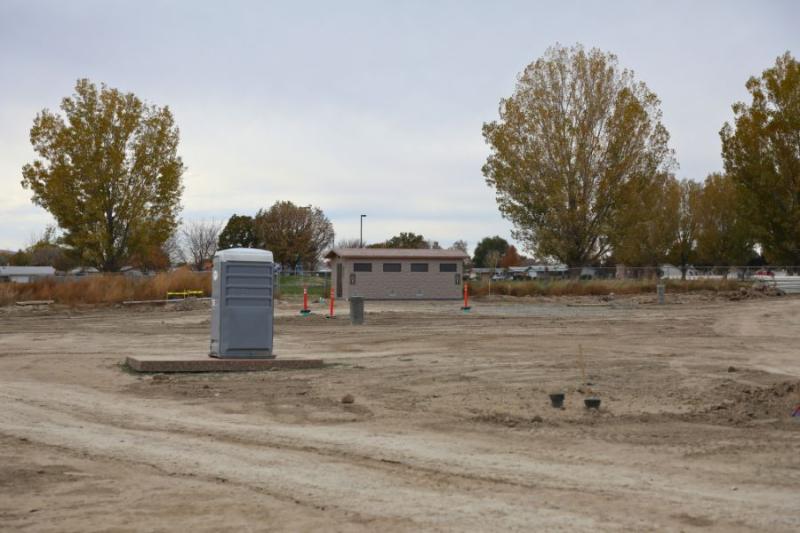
(242, 306)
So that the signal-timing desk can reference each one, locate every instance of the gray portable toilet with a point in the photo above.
(241, 303)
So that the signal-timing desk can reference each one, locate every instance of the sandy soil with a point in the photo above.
(451, 427)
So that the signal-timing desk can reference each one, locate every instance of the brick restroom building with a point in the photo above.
(397, 274)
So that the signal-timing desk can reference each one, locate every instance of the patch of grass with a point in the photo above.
(106, 288)
(318, 287)
(599, 287)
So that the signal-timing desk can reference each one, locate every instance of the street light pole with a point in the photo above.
(361, 233)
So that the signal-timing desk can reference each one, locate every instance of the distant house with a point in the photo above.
(397, 273)
(478, 273)
(25, 274)
(131, 272)
(519, 272)
(673, 272)
(83, 271)
(558, 270)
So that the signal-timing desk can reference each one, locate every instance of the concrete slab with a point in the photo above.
(156, 363)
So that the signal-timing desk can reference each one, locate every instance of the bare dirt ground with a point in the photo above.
(451, 427)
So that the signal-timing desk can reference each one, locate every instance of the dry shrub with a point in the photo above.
(106, 288)
(599, 287)
(7, 294)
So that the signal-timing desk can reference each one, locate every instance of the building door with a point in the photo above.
(339, 275)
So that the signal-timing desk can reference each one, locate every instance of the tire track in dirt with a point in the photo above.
(312, 478)
(418, 476)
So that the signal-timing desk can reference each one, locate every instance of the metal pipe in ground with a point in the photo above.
(356, 310)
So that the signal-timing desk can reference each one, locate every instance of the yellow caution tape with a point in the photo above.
(183, 294)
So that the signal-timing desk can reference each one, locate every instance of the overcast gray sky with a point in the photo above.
(362, 107)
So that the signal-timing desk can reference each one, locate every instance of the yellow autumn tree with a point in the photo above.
(761, 151)
(574, 138)
(108, 171)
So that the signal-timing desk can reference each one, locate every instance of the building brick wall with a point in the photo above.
(403, 285)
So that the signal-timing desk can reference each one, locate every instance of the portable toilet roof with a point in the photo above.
(245, 254)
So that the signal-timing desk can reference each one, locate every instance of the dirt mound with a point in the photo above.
(508, 419)
(759, 290)
(189, 304)
(776, 402)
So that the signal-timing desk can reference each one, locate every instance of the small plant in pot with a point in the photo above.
(592, 402)
(557, 400)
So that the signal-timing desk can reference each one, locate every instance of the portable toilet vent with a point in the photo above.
(241, 303)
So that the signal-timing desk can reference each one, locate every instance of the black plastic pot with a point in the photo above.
(557, 399)
(592, 403)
